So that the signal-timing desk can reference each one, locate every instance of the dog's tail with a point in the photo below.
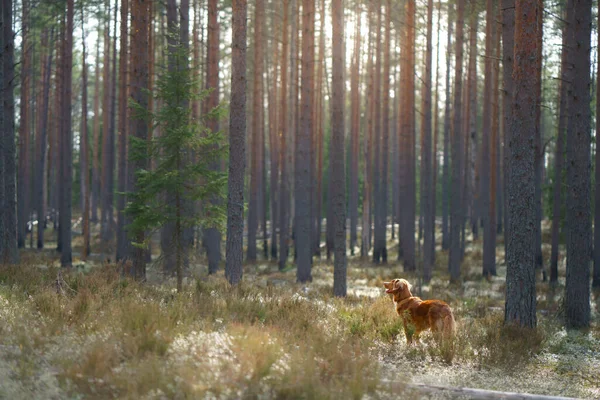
(449, 330)
(449, 325)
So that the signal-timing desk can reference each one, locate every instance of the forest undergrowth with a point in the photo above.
(88, 333)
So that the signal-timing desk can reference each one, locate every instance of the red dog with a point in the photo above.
(418, 315)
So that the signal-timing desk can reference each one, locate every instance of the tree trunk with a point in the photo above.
(436, 130)
(257, 110)
(106, 150)
(55, 164)
(24, 175)
(237, 146)
(303, 166)
(273, 135)
(596, 271)
(66, 142)
(539, 156)
(489, 215)
(355, 133)
(8, 248)
(408, 203)
(168, 233)
(426, 162)
(212, 239)
(122, 245)
(520, 272)
(563, 115)
(96, 137)
(577, 293)
(379, 232)
(42, 138)
(385, 136)
(320, 139)
(457, 148)
(494, 149)
(138, 127)
(367, 147)
(283, 139)
(84, 153)
(338, 146)
(473, 177)
(446, 150)
(112, 127)
(508, 32)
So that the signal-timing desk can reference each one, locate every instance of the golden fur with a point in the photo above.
(419, 315)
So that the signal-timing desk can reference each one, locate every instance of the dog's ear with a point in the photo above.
(392, 286)
(399, 284)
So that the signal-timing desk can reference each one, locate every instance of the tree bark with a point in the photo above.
(138, 127)
(473, 174)
(106, 180)
(408, 203)
(25, 135)
(367, 148)
(338, 146)
(385, 137)
(539, 156)
(446, 150)
(436, 130)
(596, 270)
(427, 167)
(520, 272)
(563, 115)
(577, 293)
(212, 239)
(456, 219)
(273, 136)
(355, 133)
(9, 248)
(237, 146)
(42, 138)
(508, 40)
(489, 215)
(122, 245)
(378, 232)
(66, 142)
(257, 110)
(320, 143)
(303, 165)
(283, 138)
(84, 153)
(96, 137)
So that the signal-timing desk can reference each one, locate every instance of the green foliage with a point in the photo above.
(184, 156)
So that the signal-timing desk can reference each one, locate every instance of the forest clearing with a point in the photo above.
(299, 199)
(97, 336)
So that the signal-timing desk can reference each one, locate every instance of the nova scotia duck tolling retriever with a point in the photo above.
(419, 315)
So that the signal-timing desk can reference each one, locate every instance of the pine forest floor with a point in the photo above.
(87, 333)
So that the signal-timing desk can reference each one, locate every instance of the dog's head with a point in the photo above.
(398, 288)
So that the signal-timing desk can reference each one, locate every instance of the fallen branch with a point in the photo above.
(478, 393)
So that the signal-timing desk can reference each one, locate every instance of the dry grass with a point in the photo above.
(101, 336)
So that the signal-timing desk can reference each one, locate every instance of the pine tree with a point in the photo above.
(456, 206)
(257, 110)
(237, 146)
(338, 147)
(173, 170)
(302, 221)
(212, 236)
(579, 245)
(84, 154)
(122, 246)
(520, 272)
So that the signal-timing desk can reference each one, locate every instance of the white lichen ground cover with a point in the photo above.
(101, 338)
